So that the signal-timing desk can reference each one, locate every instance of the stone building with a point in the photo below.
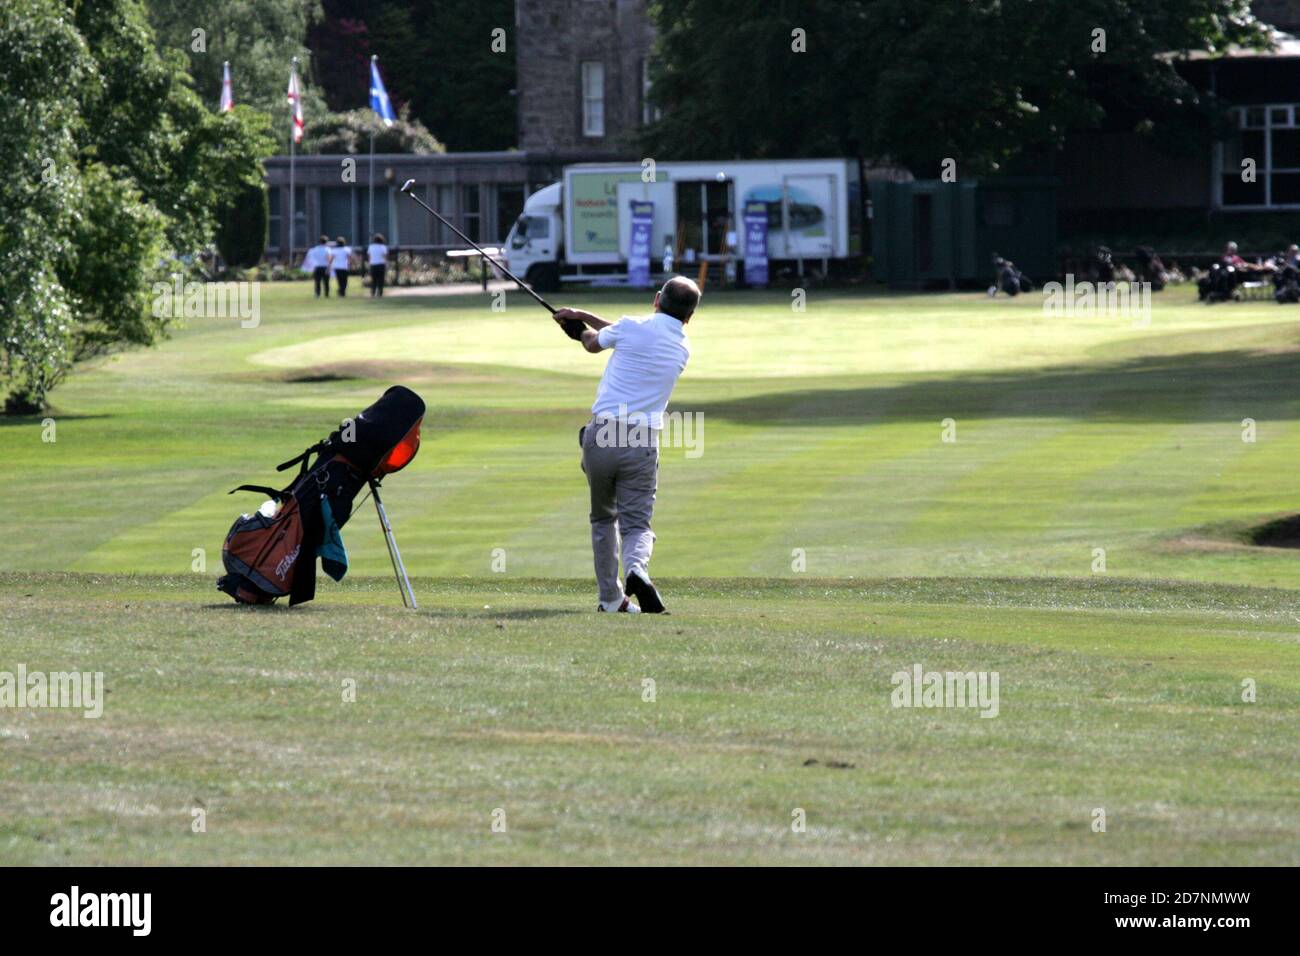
(582, 73)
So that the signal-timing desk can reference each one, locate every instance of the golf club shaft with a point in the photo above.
(399, 569)
(519, 282)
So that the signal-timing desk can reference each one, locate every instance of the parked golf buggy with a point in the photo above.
(1230, 277)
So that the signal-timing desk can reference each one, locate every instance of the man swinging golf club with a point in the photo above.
(620, 445)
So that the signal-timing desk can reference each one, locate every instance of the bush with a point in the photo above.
(350, 133)
(242, 225)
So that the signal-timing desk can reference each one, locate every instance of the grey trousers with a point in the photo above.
(623, 479)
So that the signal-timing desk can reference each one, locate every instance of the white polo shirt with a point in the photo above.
(339, 256)
(317, 257)
(378, 253)
(650, 352)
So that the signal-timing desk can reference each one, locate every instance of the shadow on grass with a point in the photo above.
(249, 608)
(1206, 386)
(425, 610)
(529, 614)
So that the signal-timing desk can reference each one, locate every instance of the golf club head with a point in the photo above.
(407, 185)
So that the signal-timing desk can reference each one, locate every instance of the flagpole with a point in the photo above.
(292, 155)
(371, 202)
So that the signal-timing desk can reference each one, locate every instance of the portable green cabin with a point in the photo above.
(930, 233)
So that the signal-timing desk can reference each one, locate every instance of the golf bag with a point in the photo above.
(1220, 283)
(1150, 267)
(1007, 278)
(1286, 282)
(272, 552)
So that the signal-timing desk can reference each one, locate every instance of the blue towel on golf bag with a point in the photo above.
(333, 556)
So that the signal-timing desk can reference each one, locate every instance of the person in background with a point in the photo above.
(1231, 258)
(317, 261)
(340, 262)
(377, 253)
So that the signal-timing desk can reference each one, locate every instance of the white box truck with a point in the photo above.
(579, 229)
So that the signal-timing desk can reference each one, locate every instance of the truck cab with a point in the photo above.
(533, 245)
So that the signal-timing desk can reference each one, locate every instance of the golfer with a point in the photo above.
(620, 445)
(340, 262)
(377, 253)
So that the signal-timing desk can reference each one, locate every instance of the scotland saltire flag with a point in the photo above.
(379, 101)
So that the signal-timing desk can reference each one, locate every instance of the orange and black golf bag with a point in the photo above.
(272, 553)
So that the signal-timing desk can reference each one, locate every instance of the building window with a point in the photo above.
(649, 112)
(446, 206)
(366, 225)
(1269, 136)
(274, 218)
(593, 99)
(470, 215)
(336, 213)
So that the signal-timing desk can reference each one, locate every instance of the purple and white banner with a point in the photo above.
(756, 243)
(638, 252)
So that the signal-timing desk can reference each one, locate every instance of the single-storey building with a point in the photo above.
(481, 193)
(1240, 178)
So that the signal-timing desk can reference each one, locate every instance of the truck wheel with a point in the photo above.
(544, 277)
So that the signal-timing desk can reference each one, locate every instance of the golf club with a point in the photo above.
(406, 188)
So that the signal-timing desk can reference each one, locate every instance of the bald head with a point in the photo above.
(678, 298)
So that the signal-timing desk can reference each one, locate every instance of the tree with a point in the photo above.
(46, 66)
(259, 38)
(918, 81)
(144, 121)
(242, 225)
(118, 239)
(342, 42)
(113, 166)
(436, 57)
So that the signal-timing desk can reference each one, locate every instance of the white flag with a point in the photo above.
(295, 105)
(227, 94)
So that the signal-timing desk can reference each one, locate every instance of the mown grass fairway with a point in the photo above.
(1119, 690)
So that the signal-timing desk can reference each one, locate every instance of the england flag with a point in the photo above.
(295, 104)
(227, 94)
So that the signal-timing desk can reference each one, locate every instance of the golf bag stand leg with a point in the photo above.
(399, 569)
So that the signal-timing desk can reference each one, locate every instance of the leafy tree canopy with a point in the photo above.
(259, 38)
(113, 165)
(918, 81)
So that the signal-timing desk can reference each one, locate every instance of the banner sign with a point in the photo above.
(592, 206)
(638, 252)
(756, 243)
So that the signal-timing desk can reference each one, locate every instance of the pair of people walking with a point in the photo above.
(325, 259)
